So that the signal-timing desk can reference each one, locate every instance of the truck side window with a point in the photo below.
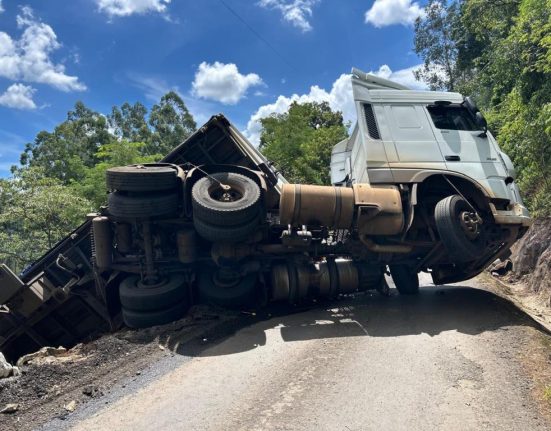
(451, 117)
(372, 128)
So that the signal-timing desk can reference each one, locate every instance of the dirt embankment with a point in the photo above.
(55, 382)
(531, 258)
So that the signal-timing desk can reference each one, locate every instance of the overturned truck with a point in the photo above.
(420, 185)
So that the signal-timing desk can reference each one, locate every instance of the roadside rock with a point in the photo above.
(530, 252)
(10, 408)
(7, 369)
(71, 407)
(48, 355)
(532, 258)
(92, 391)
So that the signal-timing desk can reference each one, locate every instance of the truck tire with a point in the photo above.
(227, 234)
(218, 207)
(447, 216)
(141, 178)
(142, 298)
(405, 280)
(146, 319)
(234, 297)
(129, 207)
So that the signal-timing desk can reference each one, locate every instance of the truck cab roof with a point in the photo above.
(369, 87)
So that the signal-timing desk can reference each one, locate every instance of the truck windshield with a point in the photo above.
(452, 117)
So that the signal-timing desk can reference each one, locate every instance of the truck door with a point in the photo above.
(464, 148)
(412, 137)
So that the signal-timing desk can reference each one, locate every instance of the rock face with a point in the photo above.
(532, 257)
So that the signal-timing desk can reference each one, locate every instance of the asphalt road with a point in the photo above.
(447, 359)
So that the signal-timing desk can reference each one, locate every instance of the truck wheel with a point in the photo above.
(137, 297)
(228, 234)
(241, 294)
(159, 205)
(141, 178)
(145, 319)
(214, 204)
(458, 228)
(405, 280)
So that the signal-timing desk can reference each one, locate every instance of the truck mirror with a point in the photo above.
(481, 121)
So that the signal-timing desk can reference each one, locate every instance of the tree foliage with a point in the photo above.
(76, 145)
(171, 122)
(435, 42)
(117, 153)
(300, 141)
(64, 153)
(129, 122)
(503, 58)
(36, 211)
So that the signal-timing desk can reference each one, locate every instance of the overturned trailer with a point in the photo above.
(420, 185)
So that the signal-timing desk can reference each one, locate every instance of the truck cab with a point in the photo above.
(407, 137)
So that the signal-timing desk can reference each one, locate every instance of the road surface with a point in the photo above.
(450, 359)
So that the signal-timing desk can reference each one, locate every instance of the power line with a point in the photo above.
(253, 31)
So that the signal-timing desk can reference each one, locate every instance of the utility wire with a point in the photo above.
(253, 31)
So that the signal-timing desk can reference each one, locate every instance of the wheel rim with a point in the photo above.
(470, 223)
(225, 193)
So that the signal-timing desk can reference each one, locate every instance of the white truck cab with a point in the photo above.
(404, 136)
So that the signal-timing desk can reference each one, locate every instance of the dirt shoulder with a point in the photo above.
(536, 305)
(52, 387)
(535, 356)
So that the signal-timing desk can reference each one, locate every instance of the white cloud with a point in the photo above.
(340, 98)
(130, 7)
(222, 82)
(28, 59)
(1, 7)
(18, 96)
(296, 12)
(402, 76)
(388, 12)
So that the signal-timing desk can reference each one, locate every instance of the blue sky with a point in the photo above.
(246, 59)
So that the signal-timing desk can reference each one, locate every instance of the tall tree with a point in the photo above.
(129, 122)
(172, 123)
(300, 141)
(435, 43)
(64, 153)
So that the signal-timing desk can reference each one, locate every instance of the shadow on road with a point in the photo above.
(434, 310)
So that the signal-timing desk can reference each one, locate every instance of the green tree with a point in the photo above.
(436, 42)
(35, 212)
(64, 153)
(117, 153)
(300, 141)
(172, 123)
(129, 122)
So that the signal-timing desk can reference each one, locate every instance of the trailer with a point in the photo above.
(420, 185)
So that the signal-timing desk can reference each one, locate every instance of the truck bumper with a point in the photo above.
(516, 215)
